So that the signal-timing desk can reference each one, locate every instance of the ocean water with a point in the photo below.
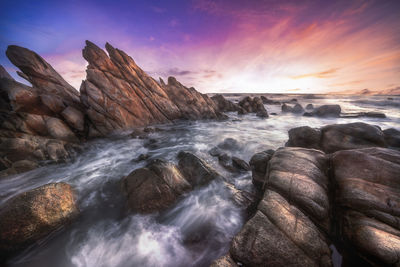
(200, 226)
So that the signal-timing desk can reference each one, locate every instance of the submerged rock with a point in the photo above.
(310, 107)
(229, 144)
(155, 187)
(367, 198)
(32, 215)
(215, 152)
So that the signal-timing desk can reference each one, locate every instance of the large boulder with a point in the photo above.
(195, 170)
(392, 137)
(335, 137)
(304, 136)
(155, 187)
(367, 198)
(327, 111)
(32, 215)
(351, 136)
(292, 220)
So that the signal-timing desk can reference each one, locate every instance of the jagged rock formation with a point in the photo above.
(118, 95)
(225, 105)
(253, 105)
(40, 122)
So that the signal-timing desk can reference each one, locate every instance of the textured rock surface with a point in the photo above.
(368, 203)
(32, 215)
(155, 187)
(119, 95)
(225, 261)
(327, 111)
(292, 220)
(195, 170)
(335, 137)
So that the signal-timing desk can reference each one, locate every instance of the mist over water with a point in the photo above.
(200, 226)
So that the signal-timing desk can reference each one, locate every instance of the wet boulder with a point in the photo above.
(304, 136)
(32, 215)
(229, 144)
(298, 109)
(195, 170)
(258, 164)
(367, 199)
(154, 187)
(215, 152)
(310, 107)
(240, 164)
(267, 101)
(286, 108)
(392, 137)
(292, 220)
(327, 111)
(351, 136)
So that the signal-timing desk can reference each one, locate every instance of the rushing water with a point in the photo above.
(200, 226)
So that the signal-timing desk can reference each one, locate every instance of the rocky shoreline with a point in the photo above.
(336, 185)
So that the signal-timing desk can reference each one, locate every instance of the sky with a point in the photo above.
(272, 46)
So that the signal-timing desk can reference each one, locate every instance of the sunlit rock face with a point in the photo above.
(292, 220)
(119, 95)
(367, 186)
(32, 215)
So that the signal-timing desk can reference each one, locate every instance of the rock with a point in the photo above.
(32, 215)
(374, 114)
(293, 100)
(327, 111)
(142, 157)
(224, 261)
(229, 144)
(240, 164)
(367, 198)
(286, 108)
(41, 74)
(225, 105)
(215, 152)
(59, 130)
(298, 108)
(226, 161)
(291, 222)
(258, 164)
(304, 136)
(351, 136)
(195, 170)
(269, 101)
(155, 187)
(310, 107)
(118, 95)
(24, 165)
(335, 137)
(392, 137)
(74, 118)
(253, 105)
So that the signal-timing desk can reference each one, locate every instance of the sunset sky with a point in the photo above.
(220, 46)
